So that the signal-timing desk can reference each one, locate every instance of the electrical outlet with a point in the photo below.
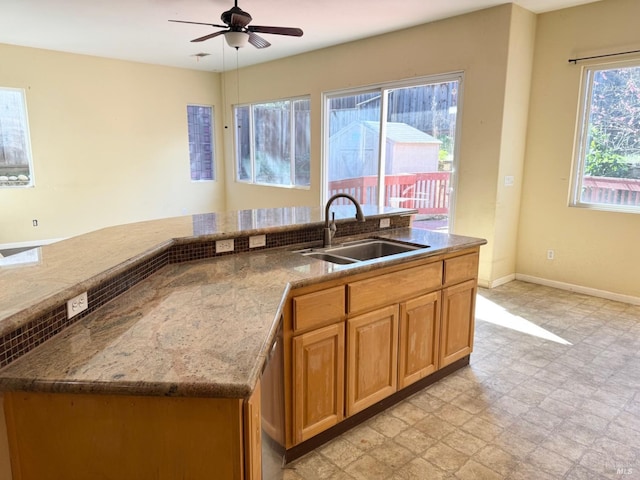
(224, 245)
(77, 304)
(509, 180)
(34, 222)
(257, 241)
(550, 254)
(385, 222)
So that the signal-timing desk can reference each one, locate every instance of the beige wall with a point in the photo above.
(593, 249)
(481, 44)
(109, 142)
(512, 147)
(109, 137)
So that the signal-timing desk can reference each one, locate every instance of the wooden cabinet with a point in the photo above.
(356, 340)
(372, 351)
(458, 315)
(419, 338)
(87, 436)
(388, 288)
(318, 381)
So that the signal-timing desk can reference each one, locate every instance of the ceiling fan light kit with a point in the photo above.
(238, 31)
(237, 39)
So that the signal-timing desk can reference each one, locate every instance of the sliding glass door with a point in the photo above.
(395, 145)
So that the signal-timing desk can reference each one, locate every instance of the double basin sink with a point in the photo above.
(360, 250)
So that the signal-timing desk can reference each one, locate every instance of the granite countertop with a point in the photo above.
(61, 270)
(198, 328)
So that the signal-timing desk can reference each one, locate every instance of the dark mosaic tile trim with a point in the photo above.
(18, 342)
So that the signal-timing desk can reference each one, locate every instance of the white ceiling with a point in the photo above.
(138, 30)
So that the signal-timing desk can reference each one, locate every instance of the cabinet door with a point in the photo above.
(458, 314)
(419, 338)
(318, 376)
(372, 354)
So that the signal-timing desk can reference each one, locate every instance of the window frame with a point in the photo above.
(582, 136)
(213, 144)
(27, 134)
(252, 154)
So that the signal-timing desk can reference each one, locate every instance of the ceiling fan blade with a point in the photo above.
(257, 41)
(211, 35)
(294, 32)
(239, 19)
(199, 23)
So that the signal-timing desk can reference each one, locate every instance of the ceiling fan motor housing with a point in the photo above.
(233, 17)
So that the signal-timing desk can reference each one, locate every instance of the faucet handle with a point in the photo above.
(332, 226)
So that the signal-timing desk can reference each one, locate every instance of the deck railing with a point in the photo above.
(426, 192)
(613, 191)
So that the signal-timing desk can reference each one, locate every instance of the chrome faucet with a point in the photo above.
(330, 228)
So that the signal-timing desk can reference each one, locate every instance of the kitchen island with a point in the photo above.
(160, 378)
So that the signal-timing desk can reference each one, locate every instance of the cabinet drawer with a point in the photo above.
(459, 269)
(392, 287)
(318, 308)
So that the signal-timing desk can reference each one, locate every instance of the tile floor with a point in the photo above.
(552, 392)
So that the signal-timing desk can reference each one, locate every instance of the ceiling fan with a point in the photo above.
(238, 32)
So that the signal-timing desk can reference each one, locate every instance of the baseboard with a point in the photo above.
(497, 282)
(31, 244)
(594, 292)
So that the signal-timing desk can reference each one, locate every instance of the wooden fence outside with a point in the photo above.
(613, 191)
(426, 192)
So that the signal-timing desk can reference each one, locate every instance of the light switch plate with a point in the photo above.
(257, 241)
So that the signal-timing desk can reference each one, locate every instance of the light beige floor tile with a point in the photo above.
(364, 437)
(315, 466)
(425, 401)
(387, 424)
(392, 454)
(549, 462)
(464, 442)
(482, 429)
(341, 452)
(434, 426)
(415, 440)
(497, 460)
(407, 412)
(419, 468)
(473, 470)
(445, 457)
(368, 468)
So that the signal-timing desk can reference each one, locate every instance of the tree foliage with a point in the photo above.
(614, 122)
(602, 162)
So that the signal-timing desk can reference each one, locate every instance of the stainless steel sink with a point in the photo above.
(360, 250)
(371, 249)
(327, 257)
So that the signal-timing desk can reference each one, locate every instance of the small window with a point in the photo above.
(200, 120)
(607, 164)
(273, 144)
(16, 169)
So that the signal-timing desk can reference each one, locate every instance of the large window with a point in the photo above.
(394, 145)
(273, 144)
(16, 168)
(201, 151)
(607, 163)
